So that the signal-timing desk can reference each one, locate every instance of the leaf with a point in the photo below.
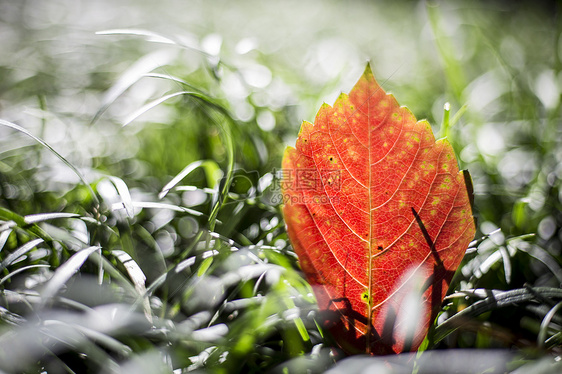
(379, 215)
(210, 167)
(132, 75)
(52, 150)
(40, 217)
(137, 276)
(66, 271)
(123, 191)
(12, 257)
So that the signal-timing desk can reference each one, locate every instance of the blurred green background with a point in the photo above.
(87, 78)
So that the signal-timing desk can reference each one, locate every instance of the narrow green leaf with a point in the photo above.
(66, 270)
(145, 108)
(20, 270)
(4, 237)
(52, 150)
(19, 221)
(132, 75)
(19, 252)
(155, 205)
(205, 265)
(150, 35)
(137, 276)
(445, 125)
(210, 167)
(40, 217)
(541, 338)
(123, 191)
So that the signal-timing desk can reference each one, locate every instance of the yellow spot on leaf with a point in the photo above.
(365, 296)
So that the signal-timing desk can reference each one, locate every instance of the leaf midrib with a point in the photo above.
(370, 246)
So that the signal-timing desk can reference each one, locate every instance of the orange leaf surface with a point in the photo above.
(377, 212)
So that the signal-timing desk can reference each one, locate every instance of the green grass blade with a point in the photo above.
(52, 150)
(210, 167)
(21, 270)
(137, 277)
(20, 221)
(541, 338)
(41, 217)
(67, 270)
(133, 74)
(145, 108)
(123, 191)
(19, 252)
(150, 35)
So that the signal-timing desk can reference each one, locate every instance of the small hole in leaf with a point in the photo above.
(331, 158)
(380, 248)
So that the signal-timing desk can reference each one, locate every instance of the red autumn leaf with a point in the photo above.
(379, 216)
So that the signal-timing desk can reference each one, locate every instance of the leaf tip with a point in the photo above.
(368, 73)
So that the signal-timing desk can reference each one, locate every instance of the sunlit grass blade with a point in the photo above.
(52, 150)
(65, 271)
(211, 171)
(145, 108)
(150, 35)
(445, 124)
(156, 205)
(20, 252)
(132, 75)
(110, 270)
(176, 80)
(123, 191)
(32, 228)
(205, 265)
(137, 276)
(21, 270)
(154, 37)
(456, 118)
(41, 217)
(4, 235)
